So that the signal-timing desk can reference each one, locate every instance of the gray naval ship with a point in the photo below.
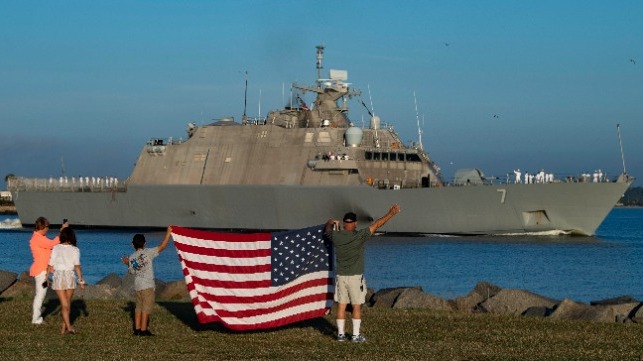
(302, 165)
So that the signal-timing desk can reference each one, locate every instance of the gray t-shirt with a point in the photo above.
(140, 265)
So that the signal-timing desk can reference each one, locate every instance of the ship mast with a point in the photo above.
(320, 57)
(417, 118)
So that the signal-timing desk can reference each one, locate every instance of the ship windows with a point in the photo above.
(392, 156)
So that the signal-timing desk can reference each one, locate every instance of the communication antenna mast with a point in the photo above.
(417, 118)
(618, 128)
(320, 57)
(244, 120)
(62, 166)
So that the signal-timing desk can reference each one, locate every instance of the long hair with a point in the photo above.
(67, 235)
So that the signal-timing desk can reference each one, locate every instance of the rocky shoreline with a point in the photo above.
(483, 298)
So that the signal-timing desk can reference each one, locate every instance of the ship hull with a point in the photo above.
(577, 208)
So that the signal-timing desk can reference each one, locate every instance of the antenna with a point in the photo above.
(259, 116)
(370, 98)
(245, 100)
(62, 166)
(320, 57)
(417, 118)
(618, 128)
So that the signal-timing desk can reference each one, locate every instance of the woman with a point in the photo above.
(41, 247)
(65, 259)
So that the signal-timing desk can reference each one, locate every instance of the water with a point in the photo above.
(580, 268)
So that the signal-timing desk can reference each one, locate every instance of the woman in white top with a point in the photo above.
(64, 260)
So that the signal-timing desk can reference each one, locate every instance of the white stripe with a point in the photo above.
(226, 261)
(206, 243)
(233, 307)
(258, 291)
(237, 277)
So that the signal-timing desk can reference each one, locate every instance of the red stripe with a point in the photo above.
(267, 310)
(216, 236)
(217, 252)
(268, 297)
(271, 324)
(207, 267)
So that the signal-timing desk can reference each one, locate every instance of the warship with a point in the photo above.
(306, 163)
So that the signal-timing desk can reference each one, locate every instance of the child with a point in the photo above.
(140, 265)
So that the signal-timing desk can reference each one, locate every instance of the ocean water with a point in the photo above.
(583, 269)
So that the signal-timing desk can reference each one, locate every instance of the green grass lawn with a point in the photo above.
(105, 334)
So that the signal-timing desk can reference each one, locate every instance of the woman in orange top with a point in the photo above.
(41, 247)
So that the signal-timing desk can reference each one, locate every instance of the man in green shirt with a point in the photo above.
(349, 253)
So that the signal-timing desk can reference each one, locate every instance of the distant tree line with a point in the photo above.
(633, 197)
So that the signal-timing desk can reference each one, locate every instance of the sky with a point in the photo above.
(499, 85)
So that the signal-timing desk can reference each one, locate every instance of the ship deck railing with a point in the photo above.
(65, 184)
(493, 180)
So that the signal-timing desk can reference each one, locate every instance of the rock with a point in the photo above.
(614, 301)
(95, 292)
(126, 289)
(415, 298)
(158, 287)
(570, 310)
(23, 287)
(7, 279)
(176, 290)
(537, 311)
(385, 298)
(113, 280)
(481, 292)
(515, 302)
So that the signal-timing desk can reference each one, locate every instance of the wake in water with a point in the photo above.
(10, 223)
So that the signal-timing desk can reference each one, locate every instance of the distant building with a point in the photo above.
(6, 196)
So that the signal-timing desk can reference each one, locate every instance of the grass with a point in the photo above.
(105, 334)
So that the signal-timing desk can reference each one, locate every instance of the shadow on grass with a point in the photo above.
(78, 308)
(184, 311)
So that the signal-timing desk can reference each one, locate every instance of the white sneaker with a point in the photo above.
(38, 321)
(358, 338)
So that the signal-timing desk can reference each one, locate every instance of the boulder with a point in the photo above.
(415, 298)
(95, 292)
(175, 290)
(159, 286)
(113, 280)
(7, 279)
(385, 298)
(515, 302)
(23, 287)
(614, 301)
(126, 289)
(481, 292)
(570, 310)
(538, 311)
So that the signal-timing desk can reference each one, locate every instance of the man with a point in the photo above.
(349, 253)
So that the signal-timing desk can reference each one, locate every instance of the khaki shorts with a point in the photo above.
(350, 289)
(145, 300)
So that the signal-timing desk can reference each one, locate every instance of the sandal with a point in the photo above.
(72, 332)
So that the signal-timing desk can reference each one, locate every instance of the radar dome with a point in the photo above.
(353, 136)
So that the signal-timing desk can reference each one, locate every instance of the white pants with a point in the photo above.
(39, 297)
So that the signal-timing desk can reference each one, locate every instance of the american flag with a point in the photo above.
(256, 280)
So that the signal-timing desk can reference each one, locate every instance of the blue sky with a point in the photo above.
(89, 83)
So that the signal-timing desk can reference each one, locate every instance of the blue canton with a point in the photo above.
(296, 253)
